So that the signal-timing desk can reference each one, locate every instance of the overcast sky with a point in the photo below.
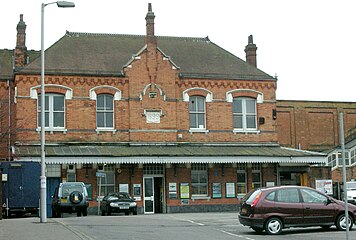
(309, 44)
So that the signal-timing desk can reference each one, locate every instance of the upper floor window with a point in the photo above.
(197, 112)
(244, 113)
(54, 112)
(105, 111)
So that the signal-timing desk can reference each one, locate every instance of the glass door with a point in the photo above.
(148, 193)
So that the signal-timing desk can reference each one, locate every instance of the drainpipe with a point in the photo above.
(9, 119)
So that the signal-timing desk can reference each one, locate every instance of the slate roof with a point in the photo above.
(7, 61)
(63, 152)
(106, 54)
(6, 71)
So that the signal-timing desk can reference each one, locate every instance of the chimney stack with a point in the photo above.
(150, 28)
(250, 51)
(21, 50)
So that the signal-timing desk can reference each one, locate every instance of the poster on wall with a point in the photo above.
(137, 192)
(184, 190)
(325, 186)
(216, 190)
(230, 190)
(124, 188)
(172, 190)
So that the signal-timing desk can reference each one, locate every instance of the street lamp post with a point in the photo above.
(43, 206)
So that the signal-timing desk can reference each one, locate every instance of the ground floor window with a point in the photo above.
(256, 175)
(241, 178)
(71, 177)
(199, 177)
(107, 182)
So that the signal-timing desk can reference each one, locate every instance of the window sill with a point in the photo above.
(98, 130)
(246, 131)
(198, 130)
(201, 198)
(53, 130)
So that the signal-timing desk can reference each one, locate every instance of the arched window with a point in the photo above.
(197, 112)
(105, 111)
(244, 112)
(54, 112)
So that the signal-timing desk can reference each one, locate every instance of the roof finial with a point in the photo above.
(149, 7)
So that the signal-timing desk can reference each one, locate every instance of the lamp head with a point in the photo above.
(65, 4)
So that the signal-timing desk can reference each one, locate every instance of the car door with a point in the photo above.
(316, 207)
(289, 207)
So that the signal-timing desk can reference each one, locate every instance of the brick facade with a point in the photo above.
(151, 81)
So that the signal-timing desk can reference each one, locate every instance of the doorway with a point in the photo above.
(153, 194)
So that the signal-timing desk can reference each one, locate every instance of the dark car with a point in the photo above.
(118, 202)
(275, 208)
(70, 197)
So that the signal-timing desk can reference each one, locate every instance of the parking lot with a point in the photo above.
(206, 226)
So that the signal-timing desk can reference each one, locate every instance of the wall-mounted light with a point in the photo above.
(274, 114)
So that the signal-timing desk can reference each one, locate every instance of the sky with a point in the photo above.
(310, 45)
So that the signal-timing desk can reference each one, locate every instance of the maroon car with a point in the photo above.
(272, 209)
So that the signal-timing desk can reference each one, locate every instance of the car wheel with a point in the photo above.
(134, 212)
(85, 212)
(59, 214)
(273, 226)
(108, 211)
(341, 222)
(257, 229)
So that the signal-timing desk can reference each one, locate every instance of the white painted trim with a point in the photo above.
(183, 160)
(229, 97)
(68, 94)
(208, 98)
(117, 95)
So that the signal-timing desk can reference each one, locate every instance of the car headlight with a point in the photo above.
(133, 204)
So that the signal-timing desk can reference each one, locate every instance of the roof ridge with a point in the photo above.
(68, 33)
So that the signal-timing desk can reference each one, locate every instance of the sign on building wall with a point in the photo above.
(172, 190)
(124, 188)
(325, 186)
(230, 190)
(216, 190)
(184, 190)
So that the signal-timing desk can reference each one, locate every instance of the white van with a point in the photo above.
(351, 192)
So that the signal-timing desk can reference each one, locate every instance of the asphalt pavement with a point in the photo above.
(31, 228)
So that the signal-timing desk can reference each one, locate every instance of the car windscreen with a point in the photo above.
(123, 196)
(69, 188)
(351, 185)
(251, 196)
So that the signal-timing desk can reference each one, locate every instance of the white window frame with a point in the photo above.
(256, 169)
(109, 169)
(241, 168)
(51, 112)
(196, 113)
(200, 169)
(105, 111)
(244, 115)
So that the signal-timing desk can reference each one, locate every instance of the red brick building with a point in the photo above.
(180, 123)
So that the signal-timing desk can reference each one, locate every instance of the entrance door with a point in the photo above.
(148, 195)
(15, 194)
(52, 184)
